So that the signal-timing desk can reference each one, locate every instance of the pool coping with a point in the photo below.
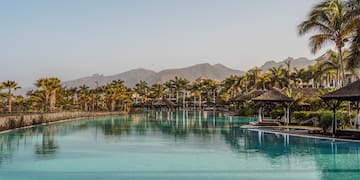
(56, 122)
(301, 135)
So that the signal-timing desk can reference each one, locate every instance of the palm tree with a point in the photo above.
(2, 95)
(253, 76)
(232, 85)
(297, 76)
(278, 76)
(264, 81)
(169, 89)
(354, 59)
(49, 87)
(210, 87)
(196, 89)
(36, 100)
(184, 86)
(115, 94)
(67, 98)
(10, 85)
(178, 84)
(353, 8)
(157, 91)
(95, 99)
(42, 83)
(330, 62)
(298, 98)
(83, 97)
(330, 19)
(54, 86)
(354, 13)
(287, 73)
(142, 89)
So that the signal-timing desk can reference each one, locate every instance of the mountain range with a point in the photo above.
(130, 78)
(294, 63)
(191, 73)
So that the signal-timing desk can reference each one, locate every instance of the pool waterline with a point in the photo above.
(194, 146)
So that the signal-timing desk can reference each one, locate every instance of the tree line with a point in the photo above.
(51, 96)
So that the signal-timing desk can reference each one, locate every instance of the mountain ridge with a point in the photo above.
(217, 71)
(207, 70)
(298, 63)
(131, 77)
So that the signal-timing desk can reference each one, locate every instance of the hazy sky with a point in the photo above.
(75, 38)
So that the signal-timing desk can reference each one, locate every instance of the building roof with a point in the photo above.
(307, 92)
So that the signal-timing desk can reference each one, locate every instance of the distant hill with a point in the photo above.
(294, 63)
(217, 72)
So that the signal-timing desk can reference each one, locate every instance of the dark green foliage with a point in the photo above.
(325, 120)
(325, 117)
(276, 113)
(247, 111)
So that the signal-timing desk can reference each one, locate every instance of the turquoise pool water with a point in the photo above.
(164, 145)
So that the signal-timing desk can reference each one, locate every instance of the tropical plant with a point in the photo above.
(354, 14)
(10, 85)
(157, 91)
(142, 89)
(83, 97)
(278, 76)
(232, 85)
(49, 86)
(179, 85)
(332, 23)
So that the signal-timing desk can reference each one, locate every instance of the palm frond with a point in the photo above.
(318, 41)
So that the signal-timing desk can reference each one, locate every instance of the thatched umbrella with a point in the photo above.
(249, 95)
(164, 102)
(274, 96)
(351, 92)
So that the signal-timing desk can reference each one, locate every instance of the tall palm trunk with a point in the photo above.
(46, 103)
(9, 101)
(52, 100)
(200, 100)
(342, 70)
(183, 98)
(85, 106)
(113, 103)
(177, 96)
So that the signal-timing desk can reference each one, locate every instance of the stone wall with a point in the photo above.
(23, 120)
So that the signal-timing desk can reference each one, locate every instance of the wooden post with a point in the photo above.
(356, 123)
(334, 122)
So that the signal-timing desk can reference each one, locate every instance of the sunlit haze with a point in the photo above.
(75, 38)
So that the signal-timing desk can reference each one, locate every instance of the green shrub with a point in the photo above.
(325, 117)
(247, 111)
(276, 113)
(325, 120)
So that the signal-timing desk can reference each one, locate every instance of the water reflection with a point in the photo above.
(334, 159)
(48, 146)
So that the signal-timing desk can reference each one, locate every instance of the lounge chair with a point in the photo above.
(309, 122)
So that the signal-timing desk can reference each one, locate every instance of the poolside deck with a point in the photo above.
(354, 133)
(305, 131)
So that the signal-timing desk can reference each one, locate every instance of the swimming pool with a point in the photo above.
(170, 145)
